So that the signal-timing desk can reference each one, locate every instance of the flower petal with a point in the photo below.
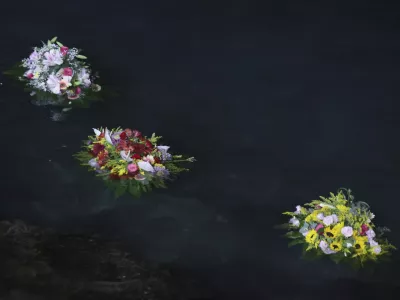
(96, 131)
(146, 166)
(107, 136)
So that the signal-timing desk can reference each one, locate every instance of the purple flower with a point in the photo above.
(115, 137)
(347, 231)
(34, 57)
(161, 171)
(164, 152)
(377, 249)
(294, 221)
(325, 248)
(370, 234)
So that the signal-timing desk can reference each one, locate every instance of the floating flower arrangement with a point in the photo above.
(57, 75)
(130, 162)
(339, 228)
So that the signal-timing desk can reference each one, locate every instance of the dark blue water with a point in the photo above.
(279, 102)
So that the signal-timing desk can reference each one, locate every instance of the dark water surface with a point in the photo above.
(280, 102)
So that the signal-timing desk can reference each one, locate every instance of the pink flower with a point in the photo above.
(319, 226)
(132, 168)
(364, 229)
(64, 50)
(29, 75)
(67, 72)
(78, 90)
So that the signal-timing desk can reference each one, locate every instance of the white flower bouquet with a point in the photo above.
(57, 75)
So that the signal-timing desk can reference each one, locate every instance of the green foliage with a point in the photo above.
(83, 157)
(174, 169)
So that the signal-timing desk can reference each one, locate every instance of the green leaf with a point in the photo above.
(59, 44)
(53, 39)
(295, 242)
(81, 56)
(134, 190)
(48, 43)
(120, 190)
(294, 235)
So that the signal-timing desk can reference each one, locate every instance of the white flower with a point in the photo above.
(53, 84)
(347, 231)
(328, 220)
(52, 58)
(165, 148)
(325, 248)
(377, 249)
(96, 131)
(146, 166)
(149, 158)
(298, 207)
(370, 234)
(373, 243)
(107, 136)
(294, 221)
(335, 218)
(34, 57)
(349, 245)
(371, 216)
(304, 233)
(126, 156)
(84, 77)
(320, 216)
(93, 163)
(65, 82)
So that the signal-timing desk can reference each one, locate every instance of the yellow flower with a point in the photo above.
(337, 228)
(311, 236)
(336, 246)
(312, 217)
(342, 208)
(122, 171)
(359, 244)
(329, 233)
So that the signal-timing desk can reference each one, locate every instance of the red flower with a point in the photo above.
(97, 148)
(64, 50)
(136, 156)
(123, 135)
(73, 97)
(136, 133)
(29, 75)
(128, 132)
(364, 229)
(67, 72)
(157, 160)
(78, 90)
(138, 148)
(149, 144)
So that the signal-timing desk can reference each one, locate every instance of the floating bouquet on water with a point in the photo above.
(57, 75)
(338, 227)
(129, 161)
